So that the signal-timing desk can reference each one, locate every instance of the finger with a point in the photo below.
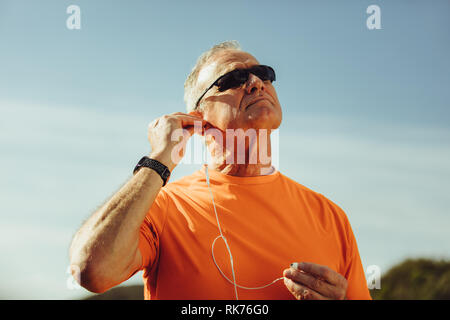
(184, 120)
(310, 294)
(190, 121)
(181, 114)
(184, 114)
(323, 272)
(301, 292)
(312, 282)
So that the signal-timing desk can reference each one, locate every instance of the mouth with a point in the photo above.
(255, 101)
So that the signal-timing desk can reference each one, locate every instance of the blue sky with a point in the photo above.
(366, 115)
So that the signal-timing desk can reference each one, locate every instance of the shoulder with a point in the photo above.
(320, 203)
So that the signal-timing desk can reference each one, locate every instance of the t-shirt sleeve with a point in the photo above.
(151, 230)
(357, 284)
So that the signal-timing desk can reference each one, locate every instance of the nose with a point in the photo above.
(254, 84)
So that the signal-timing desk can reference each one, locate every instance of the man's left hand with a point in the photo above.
(313, 281)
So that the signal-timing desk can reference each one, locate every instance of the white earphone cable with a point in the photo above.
(228, 247)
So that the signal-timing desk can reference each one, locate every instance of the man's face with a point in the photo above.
(236, 107)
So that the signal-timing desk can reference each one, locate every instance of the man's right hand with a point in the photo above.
(168, 136)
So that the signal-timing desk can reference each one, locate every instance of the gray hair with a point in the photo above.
(190, 96)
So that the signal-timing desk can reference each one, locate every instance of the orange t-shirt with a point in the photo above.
(269, 222)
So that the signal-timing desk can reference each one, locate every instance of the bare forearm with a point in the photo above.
(105, 249)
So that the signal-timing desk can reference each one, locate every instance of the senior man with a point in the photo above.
(233, 229)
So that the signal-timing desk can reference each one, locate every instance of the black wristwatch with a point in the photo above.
(161, 169)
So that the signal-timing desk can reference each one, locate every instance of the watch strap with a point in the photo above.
(157, 166)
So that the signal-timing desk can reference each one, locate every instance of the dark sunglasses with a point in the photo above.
(238, 77)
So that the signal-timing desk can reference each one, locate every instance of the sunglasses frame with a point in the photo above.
(248, 71)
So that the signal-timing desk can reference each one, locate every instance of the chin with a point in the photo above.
(265, 118)
(268, 125)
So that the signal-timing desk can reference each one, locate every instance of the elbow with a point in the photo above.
(92, 281)
(86, 271)
(89, 277)
(95, 288)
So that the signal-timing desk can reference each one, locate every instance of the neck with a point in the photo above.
(235, 154)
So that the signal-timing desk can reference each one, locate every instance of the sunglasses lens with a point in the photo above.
(264, 73)
(238, 77)
(233, 79)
